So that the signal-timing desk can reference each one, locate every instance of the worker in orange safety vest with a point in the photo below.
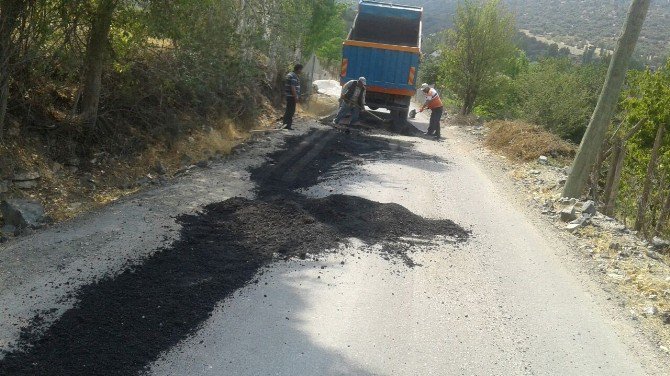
(434, 103)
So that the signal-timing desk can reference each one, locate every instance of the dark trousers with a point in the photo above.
(434, 125)
(290, 111)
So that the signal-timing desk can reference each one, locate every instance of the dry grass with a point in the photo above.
(63, 194)
(526, 142)
(320, 105)
(465, 120)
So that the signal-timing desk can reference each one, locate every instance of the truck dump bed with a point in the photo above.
(387, 24)
(384, 45)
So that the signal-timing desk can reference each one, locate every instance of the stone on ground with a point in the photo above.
(22, 213)
(568, 214)
(589, 207)
(660, 243)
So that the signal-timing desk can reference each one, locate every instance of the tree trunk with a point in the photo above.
(468, 104)
(614, 177)
(616, 168)
(97, 53)
(646, 188)
(595, 133)
(665, 214)
(595, 176)
(4, 98)
(10, 10)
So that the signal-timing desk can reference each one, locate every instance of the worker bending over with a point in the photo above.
(352, 100)
(434, 103)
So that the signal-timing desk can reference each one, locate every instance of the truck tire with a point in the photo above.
(399, 115)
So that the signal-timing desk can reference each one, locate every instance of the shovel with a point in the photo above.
(369, 113)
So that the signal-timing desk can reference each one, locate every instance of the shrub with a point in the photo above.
(526, 142)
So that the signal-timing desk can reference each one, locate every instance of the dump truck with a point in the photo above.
(384, 46)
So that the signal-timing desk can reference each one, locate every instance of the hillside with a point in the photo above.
(574, 22)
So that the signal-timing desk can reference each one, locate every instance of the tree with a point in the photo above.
(326, 24)
(331, 52)
(97, 55)
(560, 95)
(10, 11)
(649, 176)
(589, 54)
(595, 132)
(478, 49)
(648, 98)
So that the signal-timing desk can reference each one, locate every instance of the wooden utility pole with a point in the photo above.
(595, 133)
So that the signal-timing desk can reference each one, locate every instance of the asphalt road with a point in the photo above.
(503, 303)
(506, 302)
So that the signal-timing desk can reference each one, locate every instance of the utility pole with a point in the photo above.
(609, 97)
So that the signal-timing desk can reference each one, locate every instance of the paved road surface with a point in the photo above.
(503, 303)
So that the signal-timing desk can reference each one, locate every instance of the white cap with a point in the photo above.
(362, 80)
(424, 86)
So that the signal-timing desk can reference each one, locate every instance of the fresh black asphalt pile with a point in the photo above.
(122, 323)
(387, 123)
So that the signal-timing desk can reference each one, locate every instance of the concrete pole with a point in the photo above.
(609, 97)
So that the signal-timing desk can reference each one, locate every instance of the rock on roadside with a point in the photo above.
(660, 243)
(568, 214)
(22, 213)
(26, 180)
(4, 186)
(589, 207)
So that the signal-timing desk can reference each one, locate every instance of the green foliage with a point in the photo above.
(330, 52)
(327, 32)
(430, 70)
(502, 97)
(478, 50)
(648, 100)
(648, 96)
(327, 23)
(169, 64)
(560, 95)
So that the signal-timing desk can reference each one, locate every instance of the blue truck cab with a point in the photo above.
(384, 46)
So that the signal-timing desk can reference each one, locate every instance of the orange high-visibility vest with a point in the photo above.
(433, 99)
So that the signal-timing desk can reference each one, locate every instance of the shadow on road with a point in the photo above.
(264, 331)
(122, 323)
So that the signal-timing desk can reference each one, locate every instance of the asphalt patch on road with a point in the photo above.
(307, 160)
(122, 323)
(379, 122)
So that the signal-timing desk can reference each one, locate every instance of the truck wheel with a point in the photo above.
(400, 115)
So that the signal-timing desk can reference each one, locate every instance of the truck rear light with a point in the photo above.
(412, 74)
(345, 65)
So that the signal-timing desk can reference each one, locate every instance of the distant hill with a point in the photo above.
(574, 22)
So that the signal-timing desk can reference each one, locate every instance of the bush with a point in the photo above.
(526, 142)
(560, 95)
